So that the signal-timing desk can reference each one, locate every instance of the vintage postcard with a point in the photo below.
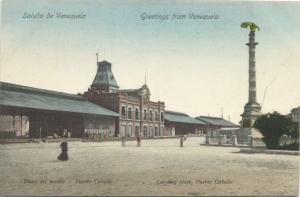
(149, 98)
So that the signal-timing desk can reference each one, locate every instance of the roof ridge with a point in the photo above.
(127, 90)
(211, 117)
(175, 112)
(216, 121)
(17, 87)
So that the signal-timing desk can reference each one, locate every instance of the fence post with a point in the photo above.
(220, 137)
(223, 139)
(234, 140)
(207, 139)
(250, 140)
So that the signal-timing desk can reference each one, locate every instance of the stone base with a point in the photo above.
(251, 112)
(243, 134)
(255, 133)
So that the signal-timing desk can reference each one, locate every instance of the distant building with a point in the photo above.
(217, 125)
(295, 115)
(177, 123)
(138, 115)
(27, 112)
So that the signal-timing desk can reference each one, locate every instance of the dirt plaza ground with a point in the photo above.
(159, 167)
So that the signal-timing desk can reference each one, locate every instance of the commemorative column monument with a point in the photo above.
(252, 108)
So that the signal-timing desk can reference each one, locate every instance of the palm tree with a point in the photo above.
(253, 27)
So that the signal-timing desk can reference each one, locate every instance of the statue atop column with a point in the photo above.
(252, 109)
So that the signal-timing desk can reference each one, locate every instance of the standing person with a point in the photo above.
(184, 137)
(64, 133)
(64, 152)
(181, 141)
(138, 139)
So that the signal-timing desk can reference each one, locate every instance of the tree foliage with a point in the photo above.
(253, 27)
(272, 126)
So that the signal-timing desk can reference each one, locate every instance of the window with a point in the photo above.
(162, 131)
(145, 131)
(130, 133)
(156, 116)
(136, 114)
(129, 113)
(150, 115)
(123, 111)
(161, 116)
(145, 114)
(123, 131)
(156, 131)
(150, 132)
(137, 131)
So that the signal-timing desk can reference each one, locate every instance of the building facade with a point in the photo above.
(217, 125)
(177, 123)
(138, 115)
(27, 112)
(295, 116)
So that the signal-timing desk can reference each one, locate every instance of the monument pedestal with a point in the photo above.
(251, 112)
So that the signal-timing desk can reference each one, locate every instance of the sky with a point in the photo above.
(196, 66)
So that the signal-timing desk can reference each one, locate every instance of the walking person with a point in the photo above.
(181, 141)
(64, 152)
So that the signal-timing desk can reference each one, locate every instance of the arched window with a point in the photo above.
(136, 113)
(145, 131)
(162, 131)
(150, 116)
(123, 111)
(156, 131)
(123, 131)
(150, 132)
(145, 114)
(129, 113)
(129, 133)
(137, 130)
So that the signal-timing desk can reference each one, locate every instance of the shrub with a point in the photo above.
(272, 126)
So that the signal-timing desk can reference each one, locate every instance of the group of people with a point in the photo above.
(64, 146)
(138, 139)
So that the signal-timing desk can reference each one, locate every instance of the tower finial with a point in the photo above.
(97, 57)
